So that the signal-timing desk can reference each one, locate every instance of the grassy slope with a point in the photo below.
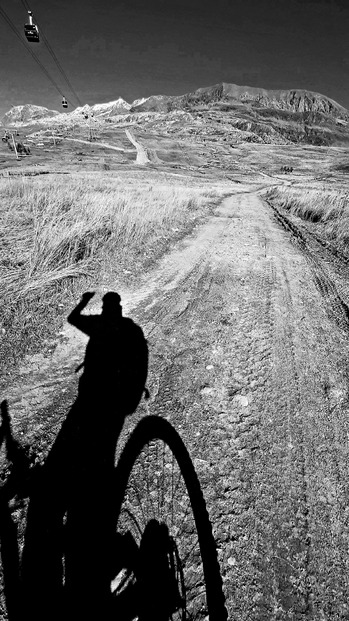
(327, 208)
(61, 235)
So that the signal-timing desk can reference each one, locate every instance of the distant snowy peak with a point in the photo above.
(155, 103)
(26, 114)
(139, 102)
(29, 113)
(111, 108)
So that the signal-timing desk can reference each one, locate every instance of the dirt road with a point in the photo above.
(142, 156)
(250, 366)
(98, 144)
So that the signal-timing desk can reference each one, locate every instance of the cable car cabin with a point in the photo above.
(31, 30)
(64, 103)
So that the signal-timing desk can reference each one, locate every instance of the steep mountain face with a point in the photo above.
(156, 103)
(27, 114)
(295, 100)
(138, 102)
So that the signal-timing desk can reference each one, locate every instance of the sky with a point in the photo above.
(136, 48)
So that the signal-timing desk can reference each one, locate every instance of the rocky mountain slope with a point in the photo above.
(290, 100)
(224, 112)
(27, 114)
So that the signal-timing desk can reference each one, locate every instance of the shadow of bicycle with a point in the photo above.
(102, 542)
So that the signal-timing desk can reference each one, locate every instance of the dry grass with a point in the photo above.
(329, 209)
(55, 234)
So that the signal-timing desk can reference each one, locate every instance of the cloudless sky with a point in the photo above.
(137, 48)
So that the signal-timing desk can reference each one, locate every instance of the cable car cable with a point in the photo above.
(53, 55)
(59, 65)
(37, 60)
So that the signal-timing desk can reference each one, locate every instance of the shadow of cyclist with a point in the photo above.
(75, 482)
(116, 359)
(18, 463)
(112, 384)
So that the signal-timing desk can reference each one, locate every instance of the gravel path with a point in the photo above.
(142, 155)
(249, 362)
(98, 144)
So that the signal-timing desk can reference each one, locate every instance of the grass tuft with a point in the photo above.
(59, 234)
(328, 208)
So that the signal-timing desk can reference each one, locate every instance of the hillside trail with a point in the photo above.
(142, 155)
(141, 152)
(251, 368)
(39, 375)
(98, 144)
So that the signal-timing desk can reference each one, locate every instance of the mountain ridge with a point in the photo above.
(222, 112)
(296, 100)
(27, 113)
(292, 100)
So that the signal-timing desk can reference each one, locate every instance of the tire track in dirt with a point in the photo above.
(35, 385)
(324, 398)
(240, 380)
(247, 366)
(204, 309)
(317, 253)
(214, 386)
(300, 547)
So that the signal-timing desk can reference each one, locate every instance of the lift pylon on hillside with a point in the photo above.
(14, 146)
(20, 149)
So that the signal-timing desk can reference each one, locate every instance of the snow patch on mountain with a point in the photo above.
(28, 113)
(139, 102)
